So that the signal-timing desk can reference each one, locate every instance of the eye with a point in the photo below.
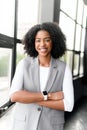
(37, 40)
(48, 40)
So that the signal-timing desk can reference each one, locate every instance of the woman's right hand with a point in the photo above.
(56, 95)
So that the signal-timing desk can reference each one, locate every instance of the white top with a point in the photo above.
(44, 72)
(67, 84)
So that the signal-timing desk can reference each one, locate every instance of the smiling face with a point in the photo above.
(43, 43)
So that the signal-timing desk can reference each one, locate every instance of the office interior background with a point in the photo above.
(17, 16)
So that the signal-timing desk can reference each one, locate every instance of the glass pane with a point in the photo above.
(76, 64)
(85, 16)
(5, 73)
(69, 7)
(67, 25)
(7, 17)
(78, 37)
(20, 52)
(81, 63)
(80, 11)
(68, 58)
(27, 15)
(83, 40)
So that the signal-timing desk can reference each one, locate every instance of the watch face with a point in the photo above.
(45, 92)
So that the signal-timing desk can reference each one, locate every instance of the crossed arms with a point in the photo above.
(55, 99)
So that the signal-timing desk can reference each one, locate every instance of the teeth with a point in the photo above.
(43, 50)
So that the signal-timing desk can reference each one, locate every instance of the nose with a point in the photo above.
(42, 43)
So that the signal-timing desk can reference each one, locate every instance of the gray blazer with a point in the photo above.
(33, 116)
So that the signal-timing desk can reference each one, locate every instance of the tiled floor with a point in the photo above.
(76, 120)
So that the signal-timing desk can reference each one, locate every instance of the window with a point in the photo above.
(20, 52)
(7, 17)
(27, 15)
(80, 11)
(85, 16)
(68, 9)
(83, 39)
(5, 74)
(73, 23)
(81, 64)
(13, 26)
(69, 58)
(67, 25)
(76, 64)
(78, 37)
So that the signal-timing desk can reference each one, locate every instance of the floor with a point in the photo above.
(5, 121)
(76, 120)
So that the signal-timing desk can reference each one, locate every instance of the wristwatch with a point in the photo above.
(45, 94)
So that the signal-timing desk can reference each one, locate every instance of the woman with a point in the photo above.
(42, 86)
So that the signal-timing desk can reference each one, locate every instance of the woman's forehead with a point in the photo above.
(42, 33)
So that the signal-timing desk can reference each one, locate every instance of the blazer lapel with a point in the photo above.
(52, 74)
(35, 74)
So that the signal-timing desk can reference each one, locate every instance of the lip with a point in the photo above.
(43, 49)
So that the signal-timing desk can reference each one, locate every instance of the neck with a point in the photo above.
(44, 61)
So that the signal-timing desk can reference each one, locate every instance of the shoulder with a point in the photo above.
(66, 67)
(20, 64)
(61, 63)
(27, 61)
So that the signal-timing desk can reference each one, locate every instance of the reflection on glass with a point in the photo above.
(5, 73)
(83, 40)
(67, 25)
(80, 11)
(76, 64)
(69, 7)
(78, 37)
(7, 17)
(20, 52)
(27, 15)
(81, 63)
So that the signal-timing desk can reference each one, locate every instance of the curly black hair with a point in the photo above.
(57, 37)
